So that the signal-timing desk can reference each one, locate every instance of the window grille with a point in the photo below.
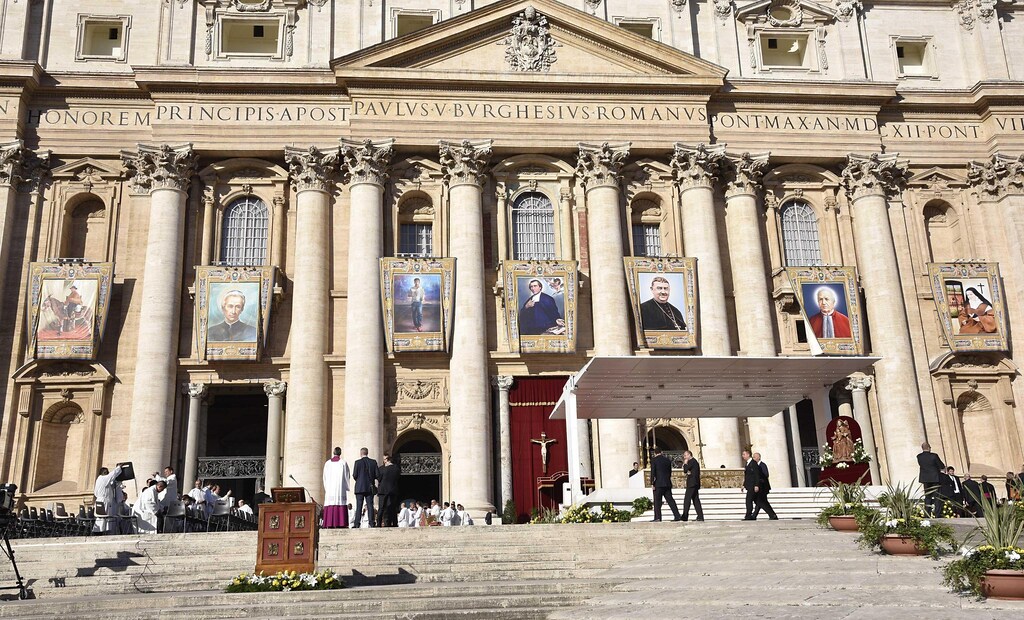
(533, 227)
(416, 239)
(646, 240)
(244, 232)
(800, 235)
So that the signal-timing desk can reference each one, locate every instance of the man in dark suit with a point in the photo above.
(955, 491)
(387, 513)
(691, 469)
(930, 476)
(661, 480)
(766, 487)
(972, 493)
(988, 492)
(364, 472)
(753, 481)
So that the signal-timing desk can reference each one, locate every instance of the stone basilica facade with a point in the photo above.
(315, 137)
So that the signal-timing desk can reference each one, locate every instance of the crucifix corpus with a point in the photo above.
(543, 443)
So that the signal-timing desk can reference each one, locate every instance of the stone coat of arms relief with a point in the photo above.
(530, 46)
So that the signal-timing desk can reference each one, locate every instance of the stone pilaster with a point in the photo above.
(858, 385)
(163, 172)
(696, 171)
(366, 165)
(275, 391)
(743, 191)
(599, 170)
(465, 172)
(20, 170)
(313, 174)
(869, 181)
(503, 383)
(196, 392)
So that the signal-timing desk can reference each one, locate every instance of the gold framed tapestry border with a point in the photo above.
(663, 293)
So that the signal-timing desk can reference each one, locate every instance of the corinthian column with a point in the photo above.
(599, 170)
(869, 180)
(464, 166)
(696, 170)
(312, 175)
(164, 172)
(22, 169)
(752, 297)
(366, 165)
(195, 392)
(275, 395)
(858, 385)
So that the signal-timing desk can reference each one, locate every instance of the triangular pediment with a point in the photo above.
(937, 176)
(524, 41)
(87, 167)
(798, 12)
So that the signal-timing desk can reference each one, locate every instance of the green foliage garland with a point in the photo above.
(286, 581)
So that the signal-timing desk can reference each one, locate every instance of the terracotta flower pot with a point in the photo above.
(844, 523)
(1003, 584)
(895, 544)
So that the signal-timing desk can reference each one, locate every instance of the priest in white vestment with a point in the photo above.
(463, 516)
(106, 493)
(147, 507)
(170, 494)
(336, 477)
(447, 515)
(417, 514)
(404, 517)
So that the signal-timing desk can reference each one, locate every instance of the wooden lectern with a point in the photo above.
(287, 533)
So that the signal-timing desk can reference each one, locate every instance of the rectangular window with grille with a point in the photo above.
(533, 228)
(646, 240)
(416, 239)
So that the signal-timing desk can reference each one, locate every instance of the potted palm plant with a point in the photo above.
(901, 527)
(996, 568)
(847, 508)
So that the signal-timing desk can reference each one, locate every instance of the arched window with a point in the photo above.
(800, 234)
(940, 225)
(646, 229)
(84, 237)
(244, 233)
(533, 227)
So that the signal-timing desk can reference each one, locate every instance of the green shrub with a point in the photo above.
(509, 515)
(642, 505)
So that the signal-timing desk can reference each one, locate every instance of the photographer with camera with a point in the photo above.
(106, 493)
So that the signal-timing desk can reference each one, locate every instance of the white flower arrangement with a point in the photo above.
(1012, 556)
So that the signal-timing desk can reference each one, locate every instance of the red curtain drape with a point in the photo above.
(531, 400)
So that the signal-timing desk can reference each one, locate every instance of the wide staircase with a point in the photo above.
(730, 504)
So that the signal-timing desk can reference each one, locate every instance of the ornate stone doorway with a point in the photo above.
(235, 442)
(418, 453)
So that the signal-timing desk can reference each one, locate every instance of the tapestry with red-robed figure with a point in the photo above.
(534, 437)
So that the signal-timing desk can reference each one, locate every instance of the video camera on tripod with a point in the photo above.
(8, 492)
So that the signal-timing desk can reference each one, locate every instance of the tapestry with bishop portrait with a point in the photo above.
(830, 303)
(663, 292)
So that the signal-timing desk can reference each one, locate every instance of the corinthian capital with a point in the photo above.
(502, 382)
(311, 168)
(275, 388)
(465, 163)
(697, 166)
(600, 165)
(743, 174)
(998, 176)
(367, 161)
(859, 382)
(875, 174)
(159, 167)
(194, 390)
(22, 168)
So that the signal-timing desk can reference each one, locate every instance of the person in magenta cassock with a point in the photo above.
(336, 477)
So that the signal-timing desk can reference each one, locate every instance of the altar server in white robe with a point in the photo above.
(463, 516)
(147, 506)
(447, 515)
(417, 514)
(336, 477)
(106, 492)
(405, 517)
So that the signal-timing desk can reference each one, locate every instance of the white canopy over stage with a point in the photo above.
(692, 387)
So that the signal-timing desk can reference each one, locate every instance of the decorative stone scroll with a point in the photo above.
(311, 168)
(600, 165)
(744, 173)
(697, 166)
(529, 46)
(159, 167)
(1000, 175)
(367, 161)
(465, 163)
(875, 174)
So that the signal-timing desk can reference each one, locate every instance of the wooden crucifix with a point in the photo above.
(543, 443)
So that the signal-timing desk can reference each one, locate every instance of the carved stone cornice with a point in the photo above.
(194, 390)
(311, 168)
(159, 167)
(465, 163)
(743, 174)
(1000, 175)
(600, 165)
(861, 383)
(502, 382)
(23, 169)
(698, 166)
(275, 389)
(874, 175)
(367, 161)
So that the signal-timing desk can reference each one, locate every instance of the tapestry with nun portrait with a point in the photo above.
(540, 305)
(830, 304)
(969, 299)
(68, 308)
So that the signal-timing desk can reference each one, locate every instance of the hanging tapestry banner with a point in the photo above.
(830, 303)
(68, 308)
(663, 292)
(233, 311)
(540, 305)
(417, 295)
(969, 299)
